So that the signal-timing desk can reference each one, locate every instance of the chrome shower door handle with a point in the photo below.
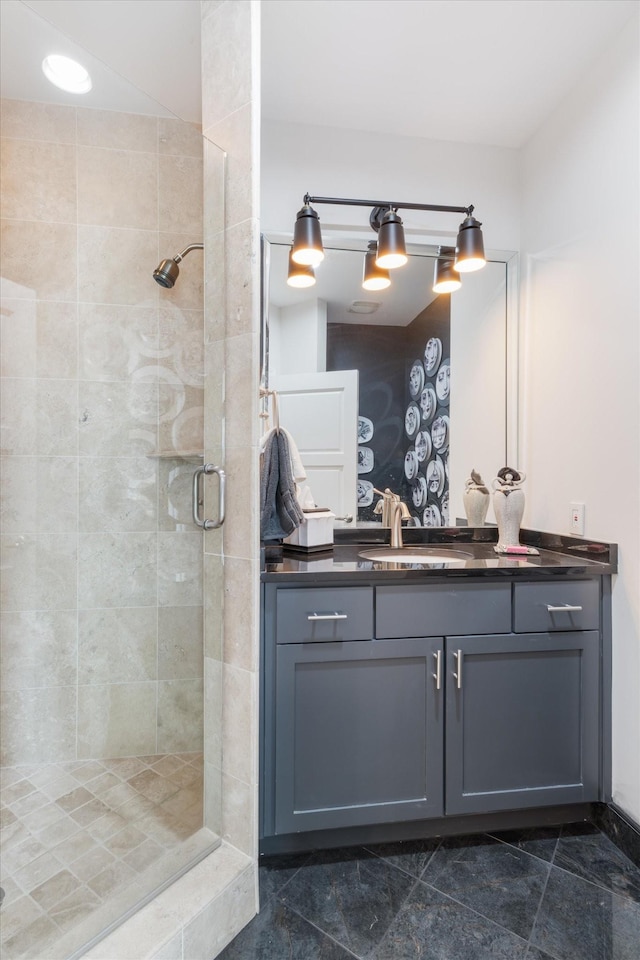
(197, 500)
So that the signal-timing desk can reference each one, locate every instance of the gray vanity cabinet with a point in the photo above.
(522, 721)
(391, 702)
(359, 733)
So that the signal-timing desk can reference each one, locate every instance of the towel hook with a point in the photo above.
(275, 414)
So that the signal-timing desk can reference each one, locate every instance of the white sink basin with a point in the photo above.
(423, 555)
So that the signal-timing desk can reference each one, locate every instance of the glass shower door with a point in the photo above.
(102, 567)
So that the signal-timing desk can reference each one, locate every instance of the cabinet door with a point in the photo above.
(358, 733)
(522, 721)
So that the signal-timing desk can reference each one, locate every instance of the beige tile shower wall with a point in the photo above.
(102, 567)
(232, 323)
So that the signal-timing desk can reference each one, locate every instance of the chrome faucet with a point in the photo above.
(393, 511)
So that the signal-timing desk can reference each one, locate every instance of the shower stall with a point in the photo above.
(102, 668)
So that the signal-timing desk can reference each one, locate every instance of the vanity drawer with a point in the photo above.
(568, 605)
(324, 614)
(438, 610)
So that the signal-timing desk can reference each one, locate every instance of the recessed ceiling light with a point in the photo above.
(67, 74)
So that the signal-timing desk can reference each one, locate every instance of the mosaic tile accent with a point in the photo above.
(74, 833)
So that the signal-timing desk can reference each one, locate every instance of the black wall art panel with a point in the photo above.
(392, 401)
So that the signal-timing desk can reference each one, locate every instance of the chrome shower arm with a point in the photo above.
(192, 246)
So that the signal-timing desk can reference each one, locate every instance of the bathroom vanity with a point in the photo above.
(402, 700)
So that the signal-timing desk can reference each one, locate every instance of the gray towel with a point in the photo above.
(280, 513)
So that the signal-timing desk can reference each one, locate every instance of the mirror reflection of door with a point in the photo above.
(320, 410)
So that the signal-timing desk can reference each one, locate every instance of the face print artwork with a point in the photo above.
(410, 465)
(416, 379)
(432, 355)
(440, 433)
(443, 382)
(422, 444)
(412, 420)
(428, 403)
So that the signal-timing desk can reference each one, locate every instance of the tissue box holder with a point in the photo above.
(314, 533)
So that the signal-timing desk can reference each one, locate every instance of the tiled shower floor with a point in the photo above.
(554, 894)
(75, 834)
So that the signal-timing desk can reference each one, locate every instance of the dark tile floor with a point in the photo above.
(563, 893)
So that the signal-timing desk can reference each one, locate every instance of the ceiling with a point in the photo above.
(483, 71)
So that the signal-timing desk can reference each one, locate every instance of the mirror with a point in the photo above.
(398, 388)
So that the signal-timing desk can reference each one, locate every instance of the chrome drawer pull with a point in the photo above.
(437, 676)
(458, 675)
(567, 608)
(327, 616)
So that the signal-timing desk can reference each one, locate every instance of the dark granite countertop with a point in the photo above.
(558, 556)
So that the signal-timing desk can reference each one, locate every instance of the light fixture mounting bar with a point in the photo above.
(391, 204)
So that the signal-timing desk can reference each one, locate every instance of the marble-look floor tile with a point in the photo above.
(37, 872)
(498, 881)
(578, 920)
(620, 832)
(539, 842)
(54, 889)
(533, 953)
(18, 915)
(431, 926)
(31, 941)
(350, 895)
(592, 856)
(275, 872)
(278, 933)
(412, 856)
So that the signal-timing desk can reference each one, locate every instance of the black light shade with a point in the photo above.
(445, 277)
(391, 249)
(307, 238)
(469, 247)
(374, 277)
(300, 275)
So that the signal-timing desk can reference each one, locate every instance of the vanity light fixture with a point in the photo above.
(445, 277)
(300, 275)
(307, 238)
(67, 74)
(392, 252)
(469, 246)
(374, 277)
(467, 256)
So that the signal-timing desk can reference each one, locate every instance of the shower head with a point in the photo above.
(166, 273)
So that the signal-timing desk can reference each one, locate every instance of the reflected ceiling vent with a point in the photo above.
(363, 306)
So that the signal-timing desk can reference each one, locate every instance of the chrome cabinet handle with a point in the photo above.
(458, 675)
(566, 608)
(437, 676)
(197, 500)
(327, 616)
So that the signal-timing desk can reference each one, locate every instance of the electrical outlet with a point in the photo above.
(577, 519)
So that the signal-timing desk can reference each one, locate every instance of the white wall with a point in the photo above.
(325, 161)
(580, 337)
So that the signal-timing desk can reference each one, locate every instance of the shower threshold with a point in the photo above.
(138, 892)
